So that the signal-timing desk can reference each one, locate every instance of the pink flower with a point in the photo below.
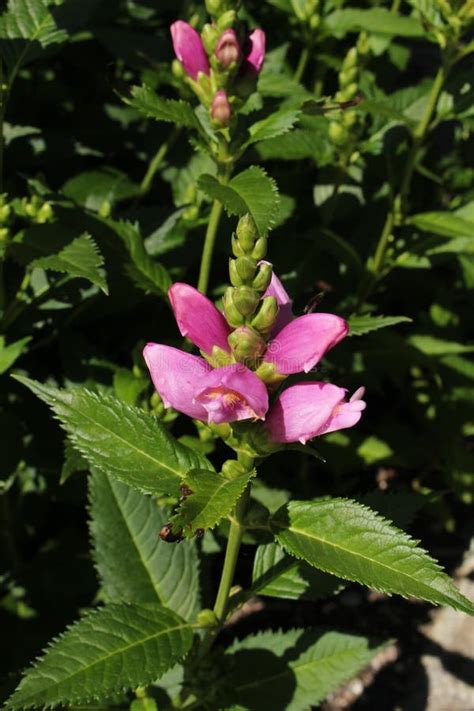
(198, 319)
(189, 49)
(228, 49)
(233, 393)
(285, 313)
(255, 55)
(307, 410)
(221, 110)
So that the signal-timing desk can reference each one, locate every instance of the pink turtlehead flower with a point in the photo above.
(198, 319)
(255, 55)
(228, 49)
(221, 110)
(189, 49)
(233, 393)
(310, 409)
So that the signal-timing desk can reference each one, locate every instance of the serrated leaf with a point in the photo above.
(274, 125)
(114, 648)
(444, 224)
(276, 574)
(212, 498)
(250, 191)
(345, 538)
(80, 258)
(379, 20)
(93, 188)
(147, 102)
(133, 563)
(10, 353)
(294, 670)
(73, 462)
(120, 440)
(360, 325)
(27, 27)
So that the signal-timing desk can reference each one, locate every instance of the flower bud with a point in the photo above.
(207, 618)
(236, 248)
(349, 118)
(247, 346)
(221, 111)
(246, 268)
(266, 316)
(260, 249)
(247, 233)
(226, 20)
(233, 316)
(337, 133)
(210, 37)
(228, 49)
(5, 211)
(231, 469)
(235, 278)
(263, 277)
(189, 49)
(215, 7)
(246, 300)
(350, 60)
(177, 69)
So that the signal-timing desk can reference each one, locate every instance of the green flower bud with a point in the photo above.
(347, 76)
(232, 313)
(207, 618)
(231, 469)
(247, 346)
(314, 22)
(263, 277)
(177, 69)
(236, 248)
(337, 133)
(260, 250)
(4, 232)
(215, 7)
(210, 35)
(246, 268)
(235, 278)
(350, 60)
(268, 373)
(264, 320)
(226, 20)
(246, 300)
(349, 118)
(45, 213)
(350, 91)
(247, 233)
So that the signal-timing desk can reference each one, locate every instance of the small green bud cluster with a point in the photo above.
(37, 210)
(307, 12)
(246, 311)
(218, 9)
(342, 127)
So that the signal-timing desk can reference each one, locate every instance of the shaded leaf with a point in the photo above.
(147, 102)
(379, 20)
(360, 325)
(80, 258)
(274, 125)
(10, 353)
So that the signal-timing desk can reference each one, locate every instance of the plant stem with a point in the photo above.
(3, 95)
(419, 136)
(211, 232)
(234, 541)
(303, 61)
(158, 159)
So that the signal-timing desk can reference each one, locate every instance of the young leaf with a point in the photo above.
(345, 538)
(80, 258)
(114, 648)
(180, 113)
(27, 27)
(212, 498)
(250, 191)
(120, 440)
(274, 125)
(294, 670)
(444, 224)
(379, 20)
(360, 325)
(9, 354)
(277, 574)
(134, 565)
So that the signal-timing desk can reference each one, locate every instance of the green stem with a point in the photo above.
(158, 159)
(211, 233)
(302, 63)
(3, 98)
(234, 541)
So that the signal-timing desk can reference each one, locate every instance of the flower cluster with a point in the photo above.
(221, 65)
(250, 349)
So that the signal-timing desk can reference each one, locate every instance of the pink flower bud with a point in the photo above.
(255, 54)
(221, 110)
(189, 49)
(228, 49)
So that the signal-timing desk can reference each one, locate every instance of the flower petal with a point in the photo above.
(189, 49)
(302, 411)
(198, 318)
(233, 393)
(303, 342)
(285, 314)
(347, 414)
(256, 51)
(176, 376)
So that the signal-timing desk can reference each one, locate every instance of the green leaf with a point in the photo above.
(443, 223)
(345, 538)
(377, 19)
(274, 125)
(212, 498)
(9, 354)
(133, 563)
(276, 574)
(360, 325)
(80, 258)
(250, 191)
(26, 28)
(95, 187)
(120, 440)
(294, 670)
(432, 346)
(114, 648)
(180, 113)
